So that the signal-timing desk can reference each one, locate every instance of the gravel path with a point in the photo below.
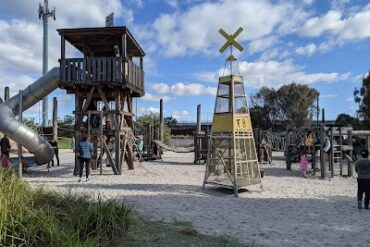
(289, 211)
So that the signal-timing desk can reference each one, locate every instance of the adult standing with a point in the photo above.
(5, 149)
(84, 154)
(363, 179)
(54, 144)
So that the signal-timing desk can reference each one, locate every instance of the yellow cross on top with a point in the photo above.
(231, 40)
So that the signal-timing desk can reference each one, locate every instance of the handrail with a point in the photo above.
(101, 69)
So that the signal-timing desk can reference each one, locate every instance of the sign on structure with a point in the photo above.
(109, 20)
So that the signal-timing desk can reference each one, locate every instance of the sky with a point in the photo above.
(322, 43)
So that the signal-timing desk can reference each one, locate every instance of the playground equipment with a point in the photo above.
(104, 82)
(20, 133)
(201, 140)
(232, 158)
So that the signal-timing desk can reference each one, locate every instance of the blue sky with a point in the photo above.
(322, 43)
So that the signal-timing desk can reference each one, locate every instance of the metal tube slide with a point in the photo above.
(15, 130)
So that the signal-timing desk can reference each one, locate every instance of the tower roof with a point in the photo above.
(101, 40)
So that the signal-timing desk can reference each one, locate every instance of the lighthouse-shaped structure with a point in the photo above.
(232, 159)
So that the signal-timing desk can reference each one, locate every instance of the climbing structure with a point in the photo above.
(104, 81)
(232, 159)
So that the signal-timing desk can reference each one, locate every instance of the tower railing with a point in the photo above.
(101, 69)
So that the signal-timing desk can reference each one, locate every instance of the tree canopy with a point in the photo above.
(347, 120)
(362, 97)
(291, 103)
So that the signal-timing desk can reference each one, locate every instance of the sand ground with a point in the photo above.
(290, 210)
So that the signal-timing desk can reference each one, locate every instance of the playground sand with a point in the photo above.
(289, 211)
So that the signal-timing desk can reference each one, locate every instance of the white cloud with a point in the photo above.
(151, 109)
(152, 97)
(161, 88)
(196, 30)
(179, 115)
(21, 39)
(329, 96)
(275, 74)
(206, 76)
(192, 89)
(306, 50)
(354, 26)
(308, 2)
(261, 44)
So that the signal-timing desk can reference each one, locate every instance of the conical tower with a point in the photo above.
(232, 158)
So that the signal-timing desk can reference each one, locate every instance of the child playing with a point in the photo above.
(303, 164)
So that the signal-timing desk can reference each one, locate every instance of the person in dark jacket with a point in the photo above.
(54, 144)
(5, 149)
(363, 179)
(84, 154)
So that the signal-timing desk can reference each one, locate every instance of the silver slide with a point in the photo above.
(17, 131)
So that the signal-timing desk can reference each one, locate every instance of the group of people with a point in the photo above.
(362, 168)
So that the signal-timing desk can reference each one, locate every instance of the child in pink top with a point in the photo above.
(303, 164)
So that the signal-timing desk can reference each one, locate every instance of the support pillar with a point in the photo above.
(161, 120)
(6, 94)
(19, 146)
(55, 118)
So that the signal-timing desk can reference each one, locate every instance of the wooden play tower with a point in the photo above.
(232, 159)
(104, 79)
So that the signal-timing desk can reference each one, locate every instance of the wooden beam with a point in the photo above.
(88, 99)
(117, 134)
(106, 104)
(114, 168)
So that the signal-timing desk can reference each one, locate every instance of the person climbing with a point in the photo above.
(5, 149)
(363, 179)
(84, 154)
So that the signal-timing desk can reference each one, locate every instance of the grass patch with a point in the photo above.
(36, 217)
(41, 218)
(161, 234)
(64, 143)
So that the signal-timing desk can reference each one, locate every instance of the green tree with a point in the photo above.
(291, 103)
(66, 126)
(153, 119)
(362, 98)
(295, 103)
(170, 121)
(264, 108)
(30, 122)
(347, 120)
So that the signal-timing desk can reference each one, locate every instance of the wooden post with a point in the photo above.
(331, 156)
(55, 118)
(322, 154)
(117, 139)
(287, 153)
(341, 152)
(101, 139)
(78, 113)
(350, 142)
(313, 153)
(197, 139)
(124, 46)
(62, 47)
(19, 146)
(323, 115)
(161, 120)
(6, 94)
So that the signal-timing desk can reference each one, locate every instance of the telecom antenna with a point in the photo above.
(44, 14)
